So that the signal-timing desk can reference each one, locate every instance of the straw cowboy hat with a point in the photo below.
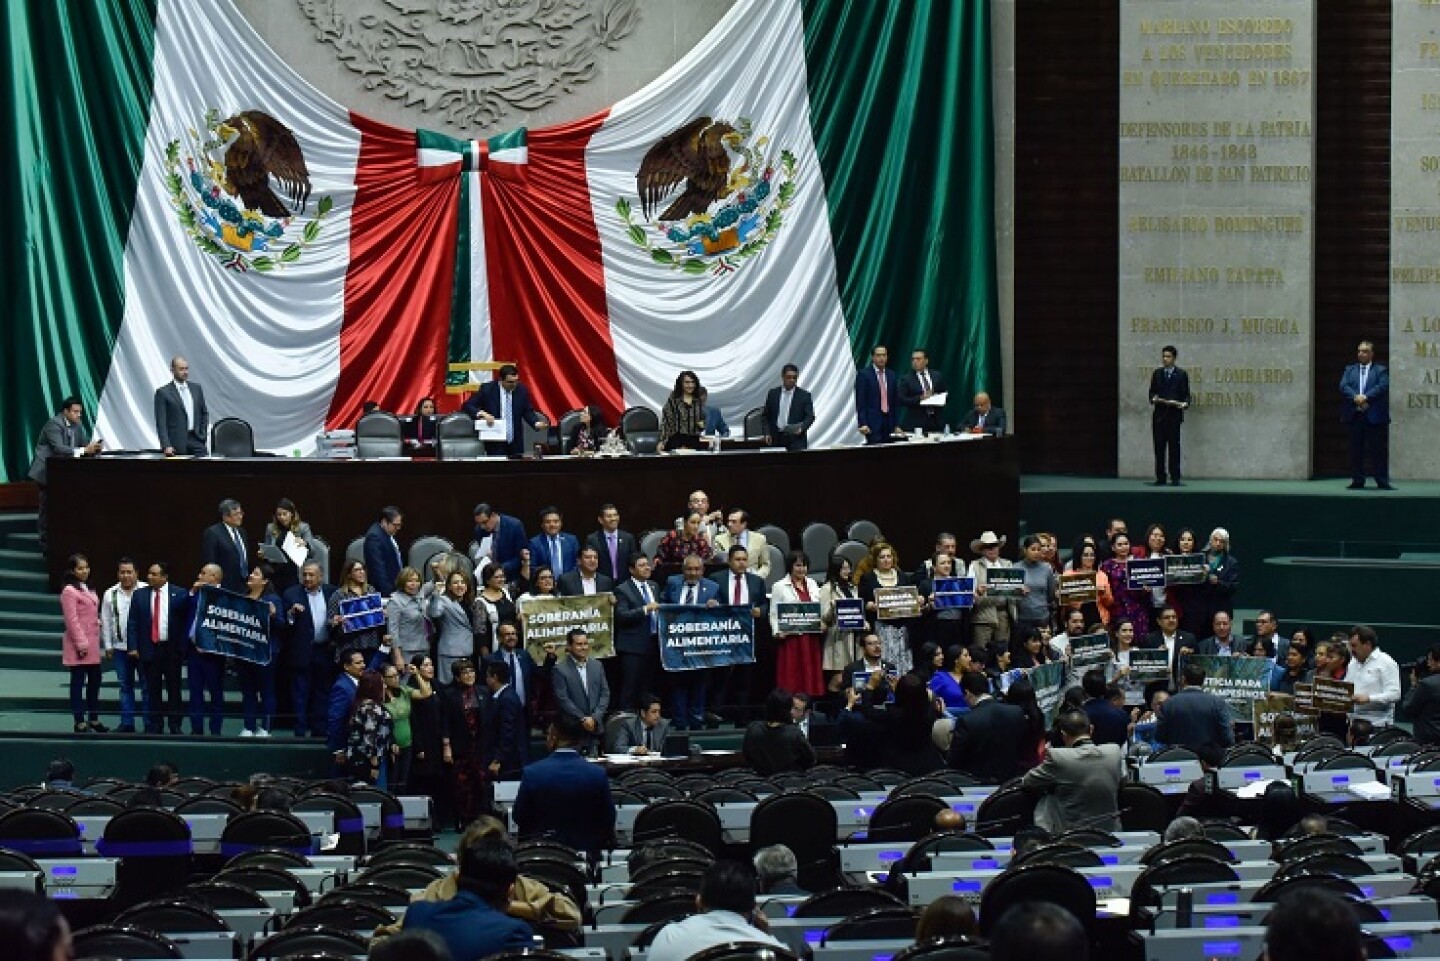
(987, 539)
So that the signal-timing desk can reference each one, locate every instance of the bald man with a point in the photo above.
(985, 419)
(182, 421)
(205, 672)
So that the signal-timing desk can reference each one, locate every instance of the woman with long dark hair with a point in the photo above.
(682, 419)
(1128, 602)
(285, 521)
(452, 611)
(427, 769)
(368, 732)
(588, 433)
(1084, 558)
(80, 645)
(366, 640)
(840, 646)
(895, 735)
(1022, 695)
(1032, 651)
(945, 683)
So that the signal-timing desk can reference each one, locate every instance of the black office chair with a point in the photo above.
(1292, 850)
(874, 924)
(859, 782)
(379, 434)
(302, 940)
(925, 784)
(1172, 753)
(408, 877)
(224, 896)
(1189, 869)
(679, 817)
(1325, 862)
(957, 948)
(1221, 829)
(907, 817)
(1055, 883)
(1089, 838)
(1187, 847)
(725, 795)
(846, 902)
(655, 790)
(665, 865)
(834, 792)
(94, 807)
(1277, 888)
(385, 896)
(1059, 852)
(1006, 811)
(261, 877)
(334, 910)
(415, 852)
(640, 426)
(666, 882)
(123, 942)
(1143, 808)
(205, 804)
(18, 862)
(40, 832)
(193, 784)
(265, 829)
(742, 951)
(662, 907)
(456, 438)
(269, 857)
(564, 876)
(169, 916)
(349, 820)
(1345, 761)
(232, 437)
(806, 823)
(155, 852)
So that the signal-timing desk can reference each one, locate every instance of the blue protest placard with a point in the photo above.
(695, 637)
(954, 592)
(850, 613)
(233, 625)
(1145, 572)
(358, 613)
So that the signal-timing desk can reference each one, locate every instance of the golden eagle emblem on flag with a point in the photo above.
(239, 189)
(724, 193)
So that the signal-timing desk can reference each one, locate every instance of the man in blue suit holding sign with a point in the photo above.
(1366, 412)
(691, 589)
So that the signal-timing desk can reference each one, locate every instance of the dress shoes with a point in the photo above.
(1359, 486)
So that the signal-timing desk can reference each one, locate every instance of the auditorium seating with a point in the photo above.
(232, 437)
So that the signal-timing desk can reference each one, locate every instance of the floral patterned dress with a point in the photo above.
(1125, 602)
(368, 740)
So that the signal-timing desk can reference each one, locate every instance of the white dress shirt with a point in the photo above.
(1378, 677)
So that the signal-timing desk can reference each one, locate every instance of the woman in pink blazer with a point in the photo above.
(81, 650)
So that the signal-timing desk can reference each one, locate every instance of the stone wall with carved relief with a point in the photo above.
(479, 67)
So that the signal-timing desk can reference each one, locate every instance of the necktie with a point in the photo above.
(614, 555)
(925, 381)
(690, 594)
(505, 414)
(884, 394)
(69, 436)
(645, 593)
(155, 617)
(1168, 372)
(239, 546)
(981, 421)
(515, 677)
(650, 739)
(737, 590)
(556, 559)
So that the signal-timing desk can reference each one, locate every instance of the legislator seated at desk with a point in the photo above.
(645, 733)
(984, 418)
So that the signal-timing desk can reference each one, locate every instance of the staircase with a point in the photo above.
(34, 682)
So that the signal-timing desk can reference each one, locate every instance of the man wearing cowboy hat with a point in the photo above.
(990, 617)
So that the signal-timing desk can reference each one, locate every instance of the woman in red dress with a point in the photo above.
(797, 656)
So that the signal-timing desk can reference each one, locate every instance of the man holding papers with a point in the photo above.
(922, 395)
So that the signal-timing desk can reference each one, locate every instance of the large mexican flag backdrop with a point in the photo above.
(813, 178)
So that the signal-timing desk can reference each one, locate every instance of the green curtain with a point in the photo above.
(78, 75)
(900, 100)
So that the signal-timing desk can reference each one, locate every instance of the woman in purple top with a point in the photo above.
(1130, 603)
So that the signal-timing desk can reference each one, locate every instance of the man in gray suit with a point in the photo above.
(1079, 783)
(580, 688)
(182, 420)
(62, 436)
(644, 733)
(1194, 716)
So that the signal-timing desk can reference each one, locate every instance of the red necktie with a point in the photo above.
(884, 394)
(155, 618)
(737, 590)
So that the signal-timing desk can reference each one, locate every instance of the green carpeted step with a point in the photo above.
(12, 560)
(54, 622)
(31, 639)
(28, 602)
(17, 658)
(22, 580)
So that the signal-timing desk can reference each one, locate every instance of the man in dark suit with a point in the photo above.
(1169, 398)
(224, 545)
(637, 646)
(182, 421)
(509, 652)
(1109, 723)
(1079, 783)
(789, 412)
(586, 578)
(581, 691)
(553, 547)
(986, 740)
(157, 627)
(504, 735)
(870, 663)
(337, 710)
(62, 436)
(614, 545)
(1365, 386)
(644, 733)
(877, 402)
(1193, 716)
(501, 539)
(919, 385)
(564, 795)
(508, 401)
(383, 559)
(692, 589)
(984, 418)
(738, 588)
(1223, 641)
(1170, 637)
(308, 658)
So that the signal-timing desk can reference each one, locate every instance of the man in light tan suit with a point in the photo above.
(737, 531)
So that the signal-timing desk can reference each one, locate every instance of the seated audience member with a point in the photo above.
(1223, 642)
(1038, 931)
(1201, 801)
(60, 776)
(1314, 824)
(414, 945)
(162, 774)
(473, 923)
(870, 675)
(1280, 810)
(777, 871)
(564, 796)
(1029, 838)
(725, 912)
(644, 733)
(949, 819)
(776, 744)
(948, 916)
(1184, 827)
(1078, 783)
(1111, 722)
(33, 929)
(1313, 926)
(531, 900)
(1360, 732)
(146, 797)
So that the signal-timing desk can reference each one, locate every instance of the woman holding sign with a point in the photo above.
(1222, 576)
(257, 681)
(894, 632)
(1083, 559)
(797, 656)
(357, 616)
(1132, 604)
(944, 625)
(840, 642)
